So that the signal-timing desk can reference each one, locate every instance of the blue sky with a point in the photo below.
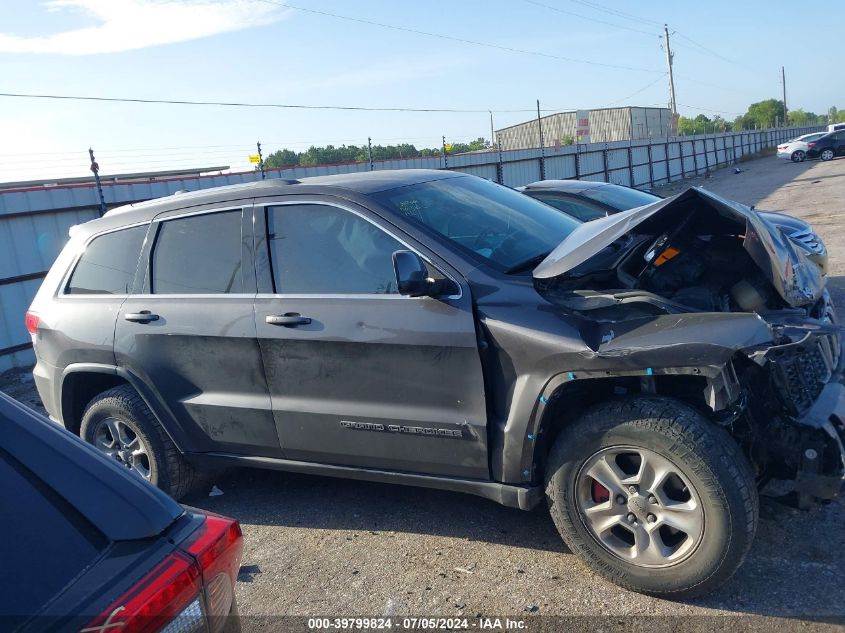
(257, 51)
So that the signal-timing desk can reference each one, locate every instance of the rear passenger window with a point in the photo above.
(320, 249)
(108, 264)
(200, 254)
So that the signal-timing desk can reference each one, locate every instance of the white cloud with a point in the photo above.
(124, 25)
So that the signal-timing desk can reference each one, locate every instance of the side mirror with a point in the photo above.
(411, 274)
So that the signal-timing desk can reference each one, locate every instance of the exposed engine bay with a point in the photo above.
(694, 252)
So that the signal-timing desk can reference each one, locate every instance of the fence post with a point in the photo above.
(500, 168)
(695, 156)
(542, 144)
(706, 158)
(95, 167)
(668, 164)
(604, 161)
(577, 162)
(631, 164)
(683, 166)
(650, 166)
(260, 160)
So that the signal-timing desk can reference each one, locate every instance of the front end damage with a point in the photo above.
(793, 423)
(663, 287)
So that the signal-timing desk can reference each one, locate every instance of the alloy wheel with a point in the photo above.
(119, 440)
(798, 156)
(827, 154)
(639, 506)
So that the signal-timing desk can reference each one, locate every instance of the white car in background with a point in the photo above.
(796, 149)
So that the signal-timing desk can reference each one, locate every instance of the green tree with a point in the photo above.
(799, 117)
(764, 114)
(282, 158)
(699, 125)
(720, 124)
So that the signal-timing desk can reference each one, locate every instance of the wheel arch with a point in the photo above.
(82, 382)
(714, 391)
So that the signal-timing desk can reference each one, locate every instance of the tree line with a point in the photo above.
(358, 153)
(760, 115)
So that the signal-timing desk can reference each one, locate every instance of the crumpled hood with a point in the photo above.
(793, 275)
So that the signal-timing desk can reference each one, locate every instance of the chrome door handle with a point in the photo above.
(289, 319)
(144, 316)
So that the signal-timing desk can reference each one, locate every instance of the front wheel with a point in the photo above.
(798, 156)
(653, 496)
(826, 154)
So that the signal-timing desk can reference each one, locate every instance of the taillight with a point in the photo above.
(171, 590)
(811, 144)
(218, 547)
(31, 321)
(190, 585)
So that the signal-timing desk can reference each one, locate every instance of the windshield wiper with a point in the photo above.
(528, 263)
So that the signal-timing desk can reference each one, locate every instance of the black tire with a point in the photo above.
(705, 454)
(798, 156)
(827, 154)
(167, 467)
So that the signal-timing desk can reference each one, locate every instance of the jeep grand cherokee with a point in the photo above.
(645, 373)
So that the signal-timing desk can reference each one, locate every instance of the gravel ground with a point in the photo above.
(320, 546)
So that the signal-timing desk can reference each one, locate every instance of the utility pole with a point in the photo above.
(542, 149)
(95, 167)
(492, 133)
(445, 159)
(370, 151)
(783, 81)
(260, 160)
(673, 105)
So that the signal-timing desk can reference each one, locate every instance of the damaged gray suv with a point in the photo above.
(646, 374)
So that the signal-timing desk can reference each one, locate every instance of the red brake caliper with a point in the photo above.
(600, 493)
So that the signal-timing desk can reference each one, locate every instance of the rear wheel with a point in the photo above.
(653, 496)
(119, 423)
(827, 154)
(798, 156)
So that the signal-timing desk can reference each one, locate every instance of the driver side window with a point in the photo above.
(321, 249)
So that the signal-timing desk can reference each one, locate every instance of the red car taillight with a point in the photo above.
(811, 145)
(189, 586)
(171, 589)
(218, 548)
(31, 321)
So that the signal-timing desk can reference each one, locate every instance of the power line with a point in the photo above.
(452, 38)
(616, 12)
(686, 105)
(237, 104)
(629, 16)
(634, 94)
(584, 17)
(705, 49)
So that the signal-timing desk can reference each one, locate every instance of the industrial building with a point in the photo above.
(603, 125)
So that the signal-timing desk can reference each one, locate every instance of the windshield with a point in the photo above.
(809, 137)
(620, 198)
(497, 225)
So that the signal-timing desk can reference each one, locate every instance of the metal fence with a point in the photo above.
(34, 222)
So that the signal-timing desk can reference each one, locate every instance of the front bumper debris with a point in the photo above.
(828, 415)
(800, 405)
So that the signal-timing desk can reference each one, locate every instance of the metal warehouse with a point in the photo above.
(603, 125)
